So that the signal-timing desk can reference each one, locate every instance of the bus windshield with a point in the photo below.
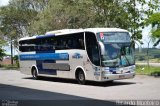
(118, 49)
(118, 54)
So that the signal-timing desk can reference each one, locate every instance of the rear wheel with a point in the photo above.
(34, 73)
(110, 81)
(81, 77)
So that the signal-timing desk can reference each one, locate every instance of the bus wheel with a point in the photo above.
(34, 73)
(81, 77)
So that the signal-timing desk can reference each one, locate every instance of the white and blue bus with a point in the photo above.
(96, 54)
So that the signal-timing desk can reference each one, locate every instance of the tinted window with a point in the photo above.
(27, 45)
(70, 41)
(62, 42)
(92, 48)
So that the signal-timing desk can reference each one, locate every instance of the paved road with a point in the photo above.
(16, 86)
(151, 64)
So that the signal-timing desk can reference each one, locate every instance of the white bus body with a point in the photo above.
(96, 54)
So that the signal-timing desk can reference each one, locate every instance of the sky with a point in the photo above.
(3, 2)
(145, 32)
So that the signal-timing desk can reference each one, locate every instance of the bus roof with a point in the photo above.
(95, 30)
(71, 31)
(27, 38)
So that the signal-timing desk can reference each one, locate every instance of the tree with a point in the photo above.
(17, 16)
(30, 17)
(14, 21)
(2, 54)
(154, 20)
(62, 14)
(126, 14)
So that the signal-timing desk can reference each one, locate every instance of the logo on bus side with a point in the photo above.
(77, 56)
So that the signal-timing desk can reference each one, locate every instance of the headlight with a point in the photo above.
(132, 68)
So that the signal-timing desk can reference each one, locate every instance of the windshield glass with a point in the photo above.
(118, 52)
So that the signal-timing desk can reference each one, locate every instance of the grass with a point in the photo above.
(145, 70)
(156, 60)
(10, 67)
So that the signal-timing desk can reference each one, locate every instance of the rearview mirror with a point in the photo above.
(102, 48)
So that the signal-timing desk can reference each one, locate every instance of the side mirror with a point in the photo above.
(102, 48)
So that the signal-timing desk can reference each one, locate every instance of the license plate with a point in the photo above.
(122, 71)
(122, 76)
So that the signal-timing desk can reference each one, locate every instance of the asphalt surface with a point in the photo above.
(17, 86)
(151, 64)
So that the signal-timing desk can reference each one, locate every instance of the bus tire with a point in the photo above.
(80, 77)
(34, 73)
(110, 82)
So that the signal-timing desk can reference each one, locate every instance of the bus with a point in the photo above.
(92, 54)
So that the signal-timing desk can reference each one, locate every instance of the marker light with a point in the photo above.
(102, 36)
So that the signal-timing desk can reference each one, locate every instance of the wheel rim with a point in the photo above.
(34, 73)
(81, 77)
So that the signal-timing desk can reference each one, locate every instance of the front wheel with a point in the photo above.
(81, 77)
(34, 73)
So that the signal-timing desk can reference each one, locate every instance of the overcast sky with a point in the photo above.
(3, 2)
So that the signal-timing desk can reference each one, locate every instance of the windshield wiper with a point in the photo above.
(127, 60)
(123, 54)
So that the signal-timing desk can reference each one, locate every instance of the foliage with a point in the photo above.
(154, 20)
(15, 19)
(30, 17)
(60, 14)
(10, 67)
(15, 58)
(2, 53)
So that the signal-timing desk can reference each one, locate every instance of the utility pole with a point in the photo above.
(134, 17)
(11, 52)
(148, 53)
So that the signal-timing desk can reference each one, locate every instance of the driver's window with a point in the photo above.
(92, 48)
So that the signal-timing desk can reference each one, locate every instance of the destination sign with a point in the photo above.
(114, 37)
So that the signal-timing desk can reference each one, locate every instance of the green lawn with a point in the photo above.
(9, 67)
(145, 70)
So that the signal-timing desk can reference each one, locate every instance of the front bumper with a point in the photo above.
(109, 77)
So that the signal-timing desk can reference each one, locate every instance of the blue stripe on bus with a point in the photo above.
(41, 70)
(45, 56)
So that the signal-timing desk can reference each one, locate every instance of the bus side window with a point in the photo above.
(71, 41)
(79, 41)
(92, 48)
(69, 44)
(27, 46)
